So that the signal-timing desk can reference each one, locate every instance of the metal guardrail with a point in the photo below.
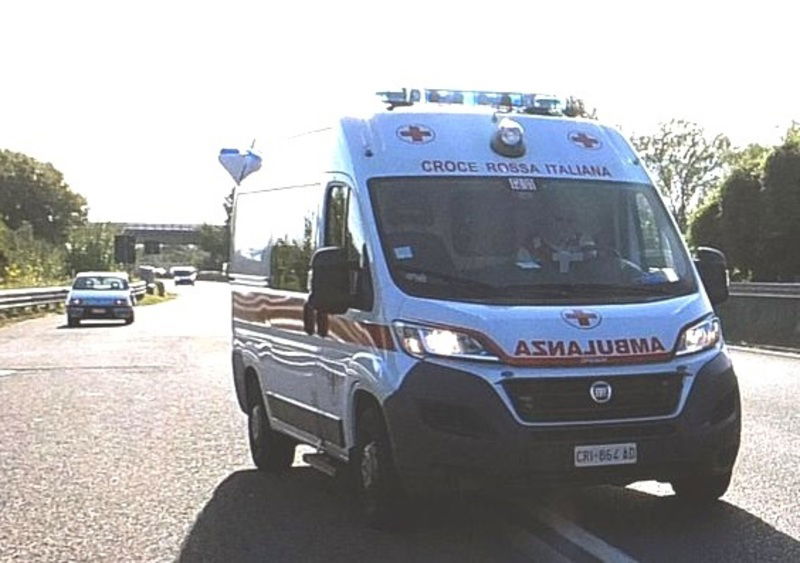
(11, 299)
(763, 289)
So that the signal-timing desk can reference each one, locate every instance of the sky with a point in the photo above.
(133, 101)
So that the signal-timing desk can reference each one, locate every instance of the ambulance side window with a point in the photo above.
(344, 228)
(335, 215)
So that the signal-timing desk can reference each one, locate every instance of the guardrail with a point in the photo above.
(762, 289)
(29, 298)
(762, 314)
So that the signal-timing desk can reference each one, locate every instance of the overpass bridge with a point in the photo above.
(174, 233)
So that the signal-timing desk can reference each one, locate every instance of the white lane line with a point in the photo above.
(588, 542)
(527, 543)
(4, 372)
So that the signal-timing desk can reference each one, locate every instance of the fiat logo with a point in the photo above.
(600, 392)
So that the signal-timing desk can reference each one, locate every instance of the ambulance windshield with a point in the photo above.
(519, 240)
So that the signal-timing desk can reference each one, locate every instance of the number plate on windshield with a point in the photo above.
(606, 454)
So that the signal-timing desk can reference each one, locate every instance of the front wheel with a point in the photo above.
(702, 488)
(377, 484)
(271, 451)
(73, 322)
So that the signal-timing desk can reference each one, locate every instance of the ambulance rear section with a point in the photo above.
(495, 300)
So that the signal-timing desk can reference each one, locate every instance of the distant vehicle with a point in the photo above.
(100, 295)
(184, 274)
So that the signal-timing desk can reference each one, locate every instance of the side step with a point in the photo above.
(321, 462)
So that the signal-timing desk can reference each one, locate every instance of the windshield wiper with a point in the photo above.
(619, 289)
(536, 290)
(479, 287)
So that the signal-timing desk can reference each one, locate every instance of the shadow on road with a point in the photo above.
(305, 516)
(93, 324)
(653, 528)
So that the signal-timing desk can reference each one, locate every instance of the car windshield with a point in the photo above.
(100, 283)
(183, 272)
(520, 240)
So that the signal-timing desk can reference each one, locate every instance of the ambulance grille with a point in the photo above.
(568, 399)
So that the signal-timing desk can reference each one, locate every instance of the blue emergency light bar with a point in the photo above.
(542, 104)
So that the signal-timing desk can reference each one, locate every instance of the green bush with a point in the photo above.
(28, 261)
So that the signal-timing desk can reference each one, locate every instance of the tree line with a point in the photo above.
(744, 201)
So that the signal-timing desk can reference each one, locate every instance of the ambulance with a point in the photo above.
(455, 296)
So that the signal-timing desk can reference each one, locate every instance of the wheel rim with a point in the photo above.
(369, 465)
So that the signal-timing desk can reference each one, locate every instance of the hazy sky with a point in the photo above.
(133, 101)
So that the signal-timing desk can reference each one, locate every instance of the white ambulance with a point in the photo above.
(450, 295)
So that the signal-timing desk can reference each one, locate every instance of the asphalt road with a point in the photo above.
(125, 443)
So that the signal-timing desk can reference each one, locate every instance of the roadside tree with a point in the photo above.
(91, 247)
(781, 221)
(740, 220)
(35, 193)
(686, 163)
(704, 224)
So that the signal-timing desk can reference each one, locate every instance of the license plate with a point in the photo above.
(98, 311)
(605, 454)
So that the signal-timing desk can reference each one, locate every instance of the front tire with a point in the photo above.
(702, 488)
(73, 322)
(377, 485)
(271, 451)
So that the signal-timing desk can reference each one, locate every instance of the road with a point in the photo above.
(125, 443)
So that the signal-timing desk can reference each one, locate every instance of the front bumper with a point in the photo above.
(100, 312)
(451, 427)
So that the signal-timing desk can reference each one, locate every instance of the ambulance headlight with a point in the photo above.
(701, 336)
(509, 138)
(421, 341)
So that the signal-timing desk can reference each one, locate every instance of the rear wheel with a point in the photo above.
(377, 484)
(271, 451)
(702, 488)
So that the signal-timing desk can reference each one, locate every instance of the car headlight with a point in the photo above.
(121, 302)
(701, 336)
(421, 341)
(75, 301)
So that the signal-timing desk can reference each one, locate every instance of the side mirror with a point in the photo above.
(712, 266)
(330, 281)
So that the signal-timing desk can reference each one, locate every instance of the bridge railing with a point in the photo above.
(12, 300)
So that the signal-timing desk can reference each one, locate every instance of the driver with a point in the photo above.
(556, 240)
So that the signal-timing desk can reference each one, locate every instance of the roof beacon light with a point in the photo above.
(508, 139)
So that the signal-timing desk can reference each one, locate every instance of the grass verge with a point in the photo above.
(155, 299)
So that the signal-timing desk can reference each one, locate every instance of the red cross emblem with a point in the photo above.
(581, 319)
(585, 140)
(415, 134)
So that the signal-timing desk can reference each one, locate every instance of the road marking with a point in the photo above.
(4, 372)
(766, 351)
(653, 488)
(588, 542)
(525, 542)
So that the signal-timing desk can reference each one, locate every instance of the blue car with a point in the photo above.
(100, 295)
